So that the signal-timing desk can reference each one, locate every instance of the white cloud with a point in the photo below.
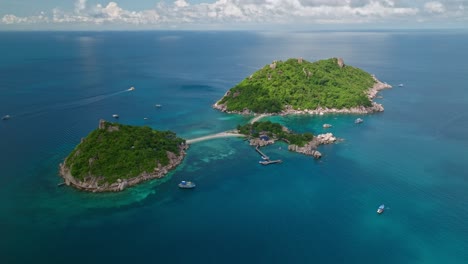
(12, 19)
(80, 5)
(242, 12)
(181, 3)
(434, 7)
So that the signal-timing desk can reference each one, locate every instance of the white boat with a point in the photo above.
(381, 209)
(400, 85)
(6, 117)
(186, 185)
(115, 116)
(158, 105)
(358, 121)
(131, 88)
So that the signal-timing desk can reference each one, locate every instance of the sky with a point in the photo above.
(231, 14)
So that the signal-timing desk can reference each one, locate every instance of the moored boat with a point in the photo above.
(186, 185)
(381, 209)
(115, 116)
(358, 121)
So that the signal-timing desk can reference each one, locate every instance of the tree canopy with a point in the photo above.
(276, 131)
(301, 85)
(121, 151)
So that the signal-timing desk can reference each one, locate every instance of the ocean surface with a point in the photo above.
(413, 157)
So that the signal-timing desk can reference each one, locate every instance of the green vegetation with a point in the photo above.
(121, 151)
(276, 131)
(302, 85)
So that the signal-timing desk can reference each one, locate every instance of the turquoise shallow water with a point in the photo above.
(413, 157)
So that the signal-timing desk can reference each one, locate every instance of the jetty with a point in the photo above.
(265, 157)
(266, 160)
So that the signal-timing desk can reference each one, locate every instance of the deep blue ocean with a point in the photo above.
(413, 157)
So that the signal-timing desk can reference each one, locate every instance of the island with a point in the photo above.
(296, 86)
(264, 133)
(116, 156)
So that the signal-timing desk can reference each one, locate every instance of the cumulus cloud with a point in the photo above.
(12, 19)
(250, 12)
(80, 5)
(434, 7)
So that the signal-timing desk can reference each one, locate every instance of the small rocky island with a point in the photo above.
(116, 156)
(266, 132)
(296, 86)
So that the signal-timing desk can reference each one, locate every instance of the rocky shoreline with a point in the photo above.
(371, 94)
(309, 149)
(91, 183)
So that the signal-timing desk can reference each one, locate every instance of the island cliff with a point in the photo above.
(297, 86)
(116, 156)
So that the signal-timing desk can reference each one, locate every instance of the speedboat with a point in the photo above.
(115, 116)
(6, 117)
(381, 209)
(186, 185)
(131, 88)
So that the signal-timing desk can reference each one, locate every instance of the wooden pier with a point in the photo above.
(266, 160)
(265, 157)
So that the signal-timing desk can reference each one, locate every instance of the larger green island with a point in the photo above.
(299, 86)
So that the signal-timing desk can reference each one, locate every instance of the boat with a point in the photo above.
(381, 209)
(6, 117)
(400, 85)
(158, 105)
(327, 125)
(358, 121)
(186, 185)
(115, 116)
(131, 88)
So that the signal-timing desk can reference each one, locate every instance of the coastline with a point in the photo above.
(309, 149)
(91, 183)
(371, 94)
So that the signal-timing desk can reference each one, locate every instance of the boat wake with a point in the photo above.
(67, 105)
